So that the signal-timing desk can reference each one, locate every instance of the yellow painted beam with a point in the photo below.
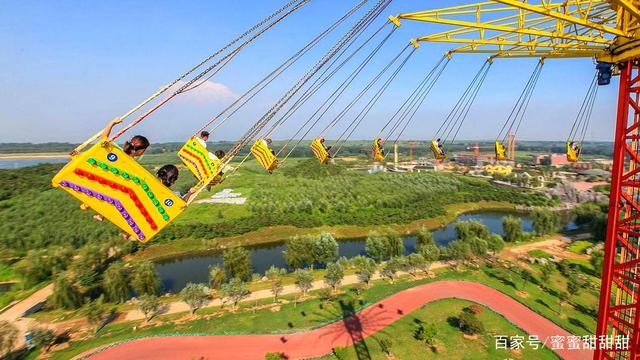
(534, 44)
(625, 4)
(563, 17)
(508, 29)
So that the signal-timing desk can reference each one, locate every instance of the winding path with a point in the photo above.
(318, 342)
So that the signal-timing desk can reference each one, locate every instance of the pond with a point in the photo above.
(176, 273)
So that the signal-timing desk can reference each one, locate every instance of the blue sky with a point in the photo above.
(70, 66)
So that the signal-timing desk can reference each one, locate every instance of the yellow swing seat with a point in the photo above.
(377, 151)
(261, 151)
(320, 151)
(115, 186)
(500, 151)
(572, 154)
(438, 153)
(202, 164)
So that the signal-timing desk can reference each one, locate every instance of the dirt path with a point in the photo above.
(555, 246)
(15, 313)
(318, 342)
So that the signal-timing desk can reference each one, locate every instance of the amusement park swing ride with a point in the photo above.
(104, 178)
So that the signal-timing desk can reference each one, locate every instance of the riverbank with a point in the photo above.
(275, 234)
(27, 156)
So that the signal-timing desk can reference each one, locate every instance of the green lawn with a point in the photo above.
(537, 253)
(450, 342)
(6, 272)
(579, 246)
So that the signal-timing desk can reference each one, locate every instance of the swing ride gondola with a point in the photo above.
(108, 181)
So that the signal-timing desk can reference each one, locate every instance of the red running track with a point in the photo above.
(321, 341)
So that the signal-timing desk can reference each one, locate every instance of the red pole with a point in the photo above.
(617, 235)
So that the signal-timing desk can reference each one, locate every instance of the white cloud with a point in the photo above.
(207, 92)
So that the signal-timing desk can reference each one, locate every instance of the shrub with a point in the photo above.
(470, 324)
(385, 345)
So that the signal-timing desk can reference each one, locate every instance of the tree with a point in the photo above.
(546, 270)
(65, 295)
(8, 337)
(299, 251)
(430, 253)
(478, 246)
(596, 261)
(237, 263)
(89, 264)
(395, 245)
(96, 312)
(148, 305)
(424, 238)
(40, 264)
(303, 280)
(495, 243)
(325, 248)
(235, 290)
(412, 263)
(376, 246)
(365, 268)
(334, 275)
(544, 222)
(426, 333)
(562, 297)
(526, 277)
(391, 268)
(385, 345)
(586, 213)
(32, 268)
(384, 246)
(115, 282)
(43, 337)
(195, 296)
(217, 277)
(512, 228)
(274, 275)
(573, 286)
(91, 258)
(598, 227)
(144, 279)
(467, 230)
(459, 250)
(469, 323)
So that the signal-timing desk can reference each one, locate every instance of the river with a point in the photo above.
(177, 272)
(20, 163)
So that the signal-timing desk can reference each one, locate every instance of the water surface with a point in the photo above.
(176, 273)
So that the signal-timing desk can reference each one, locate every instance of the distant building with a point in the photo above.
(559, 160)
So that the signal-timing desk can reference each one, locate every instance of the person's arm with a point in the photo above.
(186, 197)
(107, 130)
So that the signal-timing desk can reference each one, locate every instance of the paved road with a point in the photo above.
(320, 341)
